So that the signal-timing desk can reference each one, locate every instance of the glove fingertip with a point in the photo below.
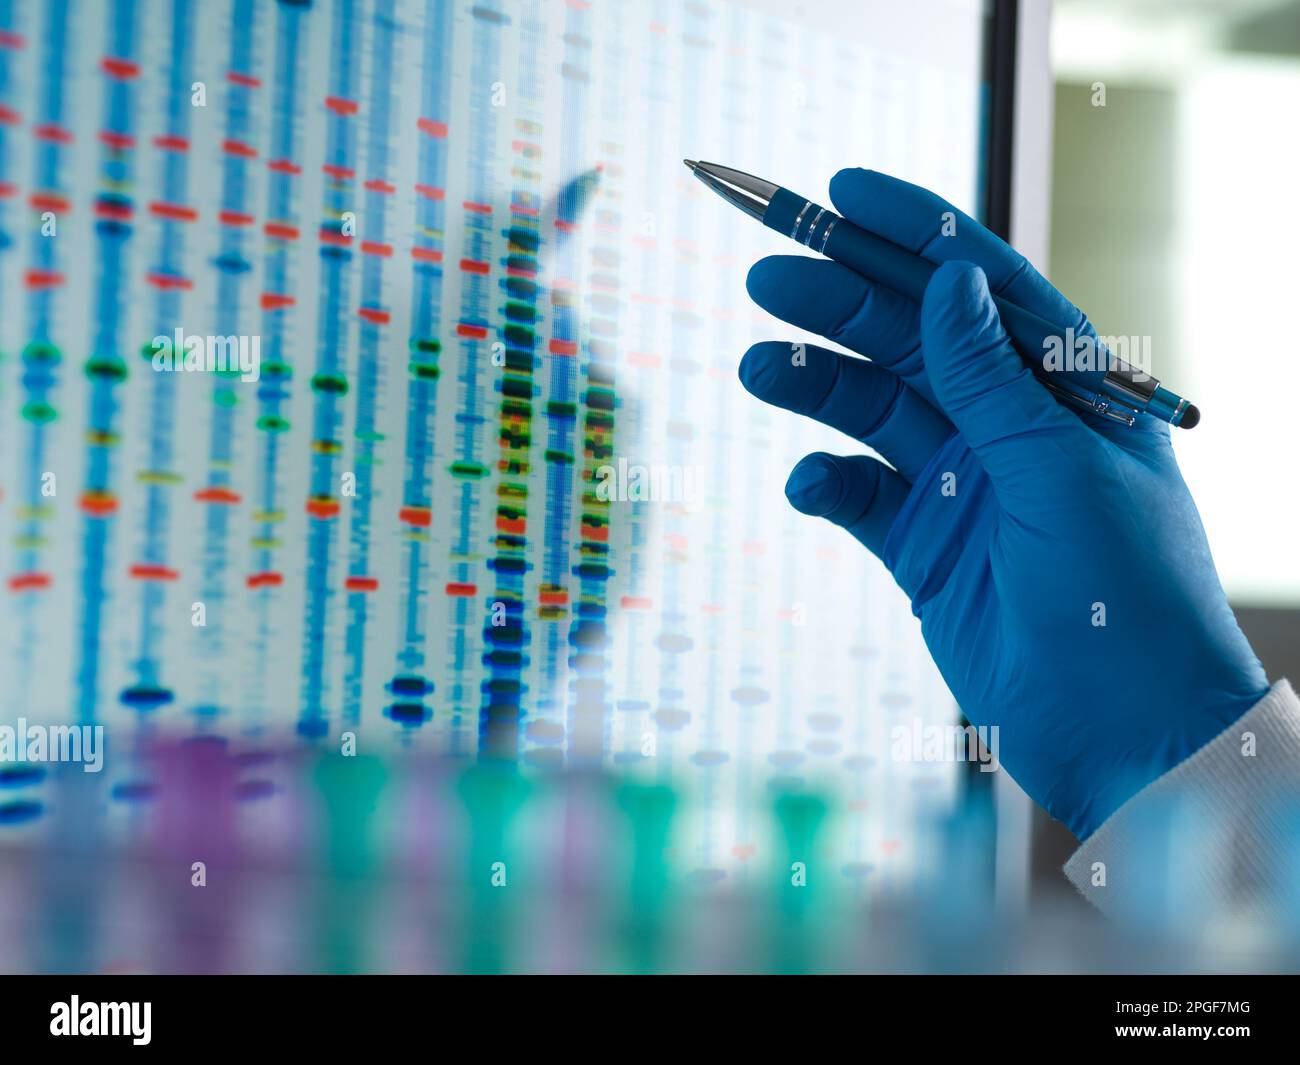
(815, 486)
(853, 190)
(850, 179)
(957, 285)
(771, 276)
(956, 311)
(760, 367)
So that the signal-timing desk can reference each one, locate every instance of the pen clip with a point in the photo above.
(1096, 403)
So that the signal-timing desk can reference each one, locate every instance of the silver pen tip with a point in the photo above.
(749, 193)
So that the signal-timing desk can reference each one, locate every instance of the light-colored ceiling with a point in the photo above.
(1159, 40)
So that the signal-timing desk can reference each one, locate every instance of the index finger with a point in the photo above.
(928, 225)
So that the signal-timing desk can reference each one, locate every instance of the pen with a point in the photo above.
(1112, 387)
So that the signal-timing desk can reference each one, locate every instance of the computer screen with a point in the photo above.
(370, 371)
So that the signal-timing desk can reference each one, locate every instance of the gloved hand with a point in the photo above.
(1055, 559)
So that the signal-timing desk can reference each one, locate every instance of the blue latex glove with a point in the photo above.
(1051, 514)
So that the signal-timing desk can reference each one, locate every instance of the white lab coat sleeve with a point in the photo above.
(1216, 836)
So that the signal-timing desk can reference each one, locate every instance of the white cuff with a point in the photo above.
(1215, 836)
